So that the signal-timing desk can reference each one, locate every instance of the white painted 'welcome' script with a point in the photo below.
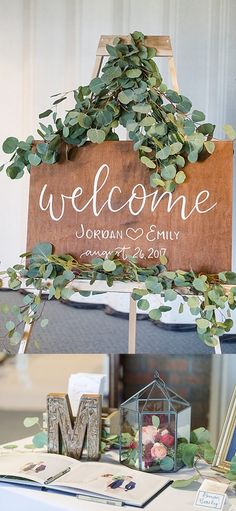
(138, 198)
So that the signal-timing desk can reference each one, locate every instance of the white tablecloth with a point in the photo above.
(22, 499)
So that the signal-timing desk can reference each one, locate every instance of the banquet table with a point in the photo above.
(171, 499)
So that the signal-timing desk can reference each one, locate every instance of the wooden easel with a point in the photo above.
(162, 44)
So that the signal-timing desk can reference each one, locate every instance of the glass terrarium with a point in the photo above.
(154, 422)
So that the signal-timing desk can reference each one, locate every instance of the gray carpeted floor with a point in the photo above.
(72, 330)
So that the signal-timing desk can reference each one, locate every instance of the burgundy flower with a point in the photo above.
(133, 445)
(147, 420)
(167, 440)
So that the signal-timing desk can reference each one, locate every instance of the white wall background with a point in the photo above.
(49, 46)
(28, 379)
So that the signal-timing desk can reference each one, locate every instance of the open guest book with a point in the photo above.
(105, 482)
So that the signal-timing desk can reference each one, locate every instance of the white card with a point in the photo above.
(84, 383)
(211, 495)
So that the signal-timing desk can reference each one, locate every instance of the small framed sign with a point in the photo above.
(211, 495)
(209, 500)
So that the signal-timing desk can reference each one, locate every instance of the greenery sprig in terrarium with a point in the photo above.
(164, 129)
(206, 296)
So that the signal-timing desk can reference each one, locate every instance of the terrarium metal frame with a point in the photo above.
(154, 446)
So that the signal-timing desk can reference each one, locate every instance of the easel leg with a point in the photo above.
(132, 326)
(27, 332)
(25, 339)
(218, 348)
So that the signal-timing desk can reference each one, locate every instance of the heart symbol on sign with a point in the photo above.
(134, 234)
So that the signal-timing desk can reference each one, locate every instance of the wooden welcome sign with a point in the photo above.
(102, 202)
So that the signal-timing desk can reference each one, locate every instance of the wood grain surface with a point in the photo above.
(192, 226)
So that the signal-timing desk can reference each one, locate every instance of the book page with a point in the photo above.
(113, 480)
(35, 466)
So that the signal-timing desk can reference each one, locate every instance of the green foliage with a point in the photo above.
(167, 464)
(10, 145)
(30, 421)
(198, 448)
(165, 131)
(231, 474)
(188, 454)
(155, 421)
(10, 447)
(206, 295)
(40, 440)
(230, 131)
(184, 483)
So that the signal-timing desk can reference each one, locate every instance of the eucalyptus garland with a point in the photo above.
(206, 296)
(165, 131)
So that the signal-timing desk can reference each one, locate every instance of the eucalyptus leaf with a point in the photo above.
(175, 147)
(96, 136)
(30, 421)
(155, 314)
(148, 121)
(109, 265)
(42, 249)
(125, 97)
(46, 113)
(163, 153)
(40, 440)
(155, 421)
(149, 163)
(168, 172)
(230, 131)
(84, 120)
(193, 156)
(34, 159)
(209, 146)
(143, 304)
(197, 116)
(96, 85)
(142, 108)
(189, 127)
(167, 464)
(199, 284)
(133, 73)
(10, 145)
(170, 295)
(184, 483)
(180, 177)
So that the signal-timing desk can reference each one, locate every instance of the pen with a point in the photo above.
(53, 478)
(100, 500)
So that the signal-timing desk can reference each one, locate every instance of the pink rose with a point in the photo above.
(148, 434)
(158, 451)
(167, 440)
